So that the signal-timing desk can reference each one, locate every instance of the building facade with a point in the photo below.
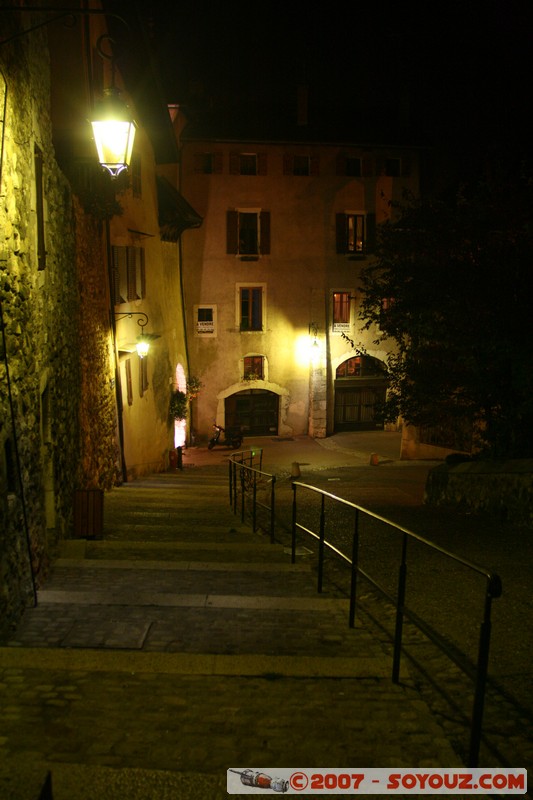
(272, 277)
(84, 259)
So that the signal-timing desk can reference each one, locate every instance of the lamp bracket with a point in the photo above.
(60, 13)
(123, 314)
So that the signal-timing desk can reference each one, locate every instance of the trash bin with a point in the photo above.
(88, 513)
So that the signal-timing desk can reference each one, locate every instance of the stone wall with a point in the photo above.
(100, 466)
(39, 372)
(502, 488)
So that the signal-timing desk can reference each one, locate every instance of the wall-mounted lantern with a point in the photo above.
(144, 340)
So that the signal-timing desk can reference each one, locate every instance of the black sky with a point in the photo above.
(463, 68)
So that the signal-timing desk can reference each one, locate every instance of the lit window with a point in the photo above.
(253, 367)
(355, 233)
(341, 311)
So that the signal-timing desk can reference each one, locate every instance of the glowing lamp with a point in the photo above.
(114, 132)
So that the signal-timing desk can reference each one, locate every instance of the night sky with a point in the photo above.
(462, 69)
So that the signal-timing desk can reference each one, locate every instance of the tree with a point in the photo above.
(450, 289)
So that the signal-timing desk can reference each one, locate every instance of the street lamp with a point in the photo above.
(144, 340)
(114, 132)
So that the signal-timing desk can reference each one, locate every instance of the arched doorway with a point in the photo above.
(255, 411)
(360, 387)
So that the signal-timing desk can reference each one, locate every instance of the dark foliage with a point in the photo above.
(450, 289)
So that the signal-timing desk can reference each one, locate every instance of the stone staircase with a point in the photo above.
(182, 644)
(176, 572)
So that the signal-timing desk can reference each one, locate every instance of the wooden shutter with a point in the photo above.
(264, 221)
(131, 273)
(370, 233)
(142, 273)
(340, 228)
(234, 164)
(261, 163)
(314, 164)
(232, 232)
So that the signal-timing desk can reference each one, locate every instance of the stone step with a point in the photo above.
(246, 550)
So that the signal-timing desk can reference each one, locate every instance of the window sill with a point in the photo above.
(248, 258)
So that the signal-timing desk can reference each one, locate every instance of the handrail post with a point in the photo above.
(293, 539)
(481, 680)
(400, 602)
(355, 561)
(254, 503)
(242, 493)
(272, 509)
(321, 545)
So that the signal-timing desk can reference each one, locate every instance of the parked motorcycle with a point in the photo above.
(232, 437)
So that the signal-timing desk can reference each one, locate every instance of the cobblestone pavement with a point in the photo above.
(183, 644)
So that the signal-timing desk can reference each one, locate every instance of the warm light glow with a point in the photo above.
(180, 425)
(114, 133)
(142, 346)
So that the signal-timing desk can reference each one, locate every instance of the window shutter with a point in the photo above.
(367, 166)
(218, 164)
(341, 232)
(234, 164)
(287, 164)
(131, 274)
(341, 165)
(142, 273)
(314, 163)
(370, 238)
(264, 220)
(261, 163)
(232, 232)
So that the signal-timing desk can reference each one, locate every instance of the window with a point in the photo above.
(355, 233)
(248, 163)
(341, 311)
(253, 368)
(39, 208)
(248, 232)
(251, 308)
(129, 279)
(208, 163)
(355, 166)
(300, 165)
(205, 320)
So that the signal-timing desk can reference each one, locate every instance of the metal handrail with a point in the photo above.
(249, 476)
(493, 591)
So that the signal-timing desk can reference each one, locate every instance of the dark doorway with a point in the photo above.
(255, 411)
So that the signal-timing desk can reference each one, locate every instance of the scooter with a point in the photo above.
(232, 437)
